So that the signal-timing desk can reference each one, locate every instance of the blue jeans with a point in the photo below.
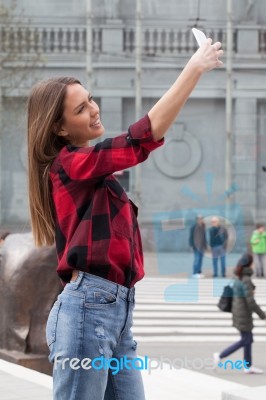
(246, 342)
(197, 265)
(218, 252)
(92, 318)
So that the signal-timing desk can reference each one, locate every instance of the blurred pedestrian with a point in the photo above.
(258, 246)
(243, 306)
(218, 237)
(198, 242)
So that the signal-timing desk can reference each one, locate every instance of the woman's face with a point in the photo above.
(81, 117)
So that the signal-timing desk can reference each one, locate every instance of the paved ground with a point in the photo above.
(20, 383)
(198, 357)
(179, 264)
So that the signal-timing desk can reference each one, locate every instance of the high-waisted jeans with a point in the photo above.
(92, 319)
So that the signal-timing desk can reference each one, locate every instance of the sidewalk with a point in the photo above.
(194, 354)
(179, 264)
(17, 382)
(20, 383)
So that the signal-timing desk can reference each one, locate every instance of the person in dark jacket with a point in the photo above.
(243, 306)
(198, 242)
(218, 237)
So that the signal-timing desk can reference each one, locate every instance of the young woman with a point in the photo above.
(243, 306)
(76, 202)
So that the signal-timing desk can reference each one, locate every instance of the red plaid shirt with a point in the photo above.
(96, 223)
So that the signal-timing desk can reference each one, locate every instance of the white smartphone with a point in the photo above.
(199, 36)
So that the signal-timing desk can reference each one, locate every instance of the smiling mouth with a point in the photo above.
(96, 123)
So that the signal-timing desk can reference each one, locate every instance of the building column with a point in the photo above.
(245, 156)
(1, 133)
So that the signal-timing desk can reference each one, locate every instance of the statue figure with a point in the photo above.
(29, 286)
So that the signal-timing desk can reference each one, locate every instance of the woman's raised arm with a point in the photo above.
(165, 111)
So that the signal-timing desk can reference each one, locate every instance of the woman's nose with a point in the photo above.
(94, 109)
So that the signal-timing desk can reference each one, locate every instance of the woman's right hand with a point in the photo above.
(165, 111)
(207, 56)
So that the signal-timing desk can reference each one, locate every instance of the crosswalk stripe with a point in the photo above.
(189, 316)
(186, 322)
(187, 338)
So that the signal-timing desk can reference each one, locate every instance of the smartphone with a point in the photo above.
(199, 36)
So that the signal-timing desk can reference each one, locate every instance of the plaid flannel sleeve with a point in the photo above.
(110, 155)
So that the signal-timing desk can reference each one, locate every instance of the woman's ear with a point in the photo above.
(62, 132)
(59, 130)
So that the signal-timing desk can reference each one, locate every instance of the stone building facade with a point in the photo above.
(95, 41)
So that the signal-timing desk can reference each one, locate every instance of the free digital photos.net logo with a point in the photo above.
(171, 235)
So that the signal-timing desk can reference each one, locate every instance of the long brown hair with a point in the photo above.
(45, 118)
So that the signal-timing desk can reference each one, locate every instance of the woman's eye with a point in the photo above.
(90, 98)
(81, 109)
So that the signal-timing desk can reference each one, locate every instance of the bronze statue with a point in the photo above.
(28, 287)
